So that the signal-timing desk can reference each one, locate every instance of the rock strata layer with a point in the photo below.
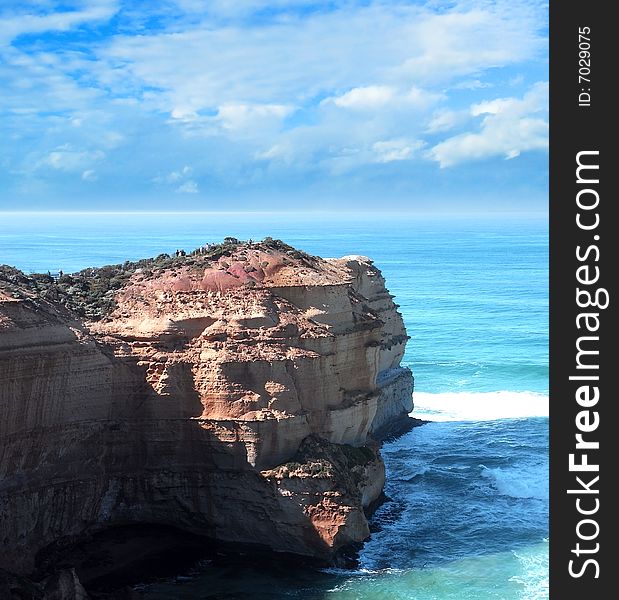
(236, 393)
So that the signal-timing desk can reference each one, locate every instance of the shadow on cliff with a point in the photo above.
(147, 489)
(151, 558)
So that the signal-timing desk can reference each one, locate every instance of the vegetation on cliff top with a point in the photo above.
(90, 292)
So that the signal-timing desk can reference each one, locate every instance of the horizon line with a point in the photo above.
(350, 213)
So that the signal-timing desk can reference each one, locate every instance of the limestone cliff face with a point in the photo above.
(235, 394)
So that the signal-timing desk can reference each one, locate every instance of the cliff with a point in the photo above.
(236, 393)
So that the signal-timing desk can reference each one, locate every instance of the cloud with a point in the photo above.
(16, 21)
(472, 84)
(189, 187)
(173, 177)
(178, 175)
(392, 150)
(113, 139)
(236, 117)
(470, 38)
(371, 96)
(509, 127)
(275, 93)
(445, 119)
(241, 9)
(368, 48)
(375, 97)
(68, 159)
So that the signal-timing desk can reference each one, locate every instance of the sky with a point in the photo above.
(259, 105)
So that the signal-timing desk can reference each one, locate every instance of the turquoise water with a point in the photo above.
(468, 493)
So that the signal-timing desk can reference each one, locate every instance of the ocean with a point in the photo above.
(467, 510)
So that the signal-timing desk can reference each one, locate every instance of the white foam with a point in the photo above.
(479, 406)
(524, 481)
(361, 572)
(534, 575)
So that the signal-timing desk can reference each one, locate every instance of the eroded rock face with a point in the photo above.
(234, 395)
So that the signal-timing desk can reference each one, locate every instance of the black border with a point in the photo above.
(575, 128)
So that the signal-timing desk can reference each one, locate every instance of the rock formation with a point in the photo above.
(236, 392)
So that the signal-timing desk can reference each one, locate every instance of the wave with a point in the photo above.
(479, 406)
(524, 481)
(360, 572)
(534, 577)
